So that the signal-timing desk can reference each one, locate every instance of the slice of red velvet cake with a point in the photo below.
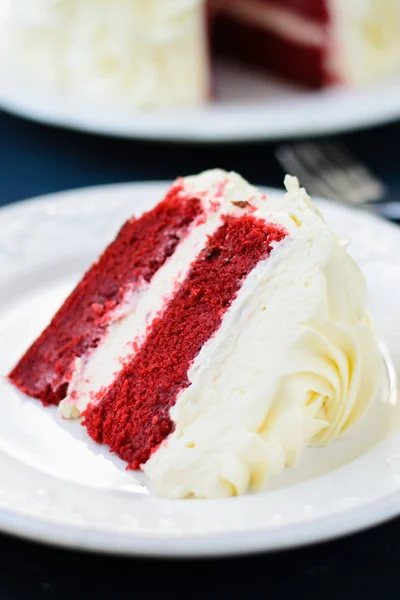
(218, 335)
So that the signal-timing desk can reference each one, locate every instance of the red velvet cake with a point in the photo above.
(218, 335)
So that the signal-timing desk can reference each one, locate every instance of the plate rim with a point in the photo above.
(331, 111)
(223, 545)
(281, 537)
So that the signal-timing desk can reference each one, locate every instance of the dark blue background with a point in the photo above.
(35, 160)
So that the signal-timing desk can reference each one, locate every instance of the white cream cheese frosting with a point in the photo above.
(294, 363)
(127, 53)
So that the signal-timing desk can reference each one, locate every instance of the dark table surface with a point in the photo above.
(35, 160)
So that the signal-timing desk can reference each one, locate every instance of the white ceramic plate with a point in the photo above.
(57, 485)
(248, 106)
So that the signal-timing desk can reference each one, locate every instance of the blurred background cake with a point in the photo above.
(160, 53)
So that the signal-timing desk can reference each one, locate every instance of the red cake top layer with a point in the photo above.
(133, 417)
(140, 249)
(315, 10)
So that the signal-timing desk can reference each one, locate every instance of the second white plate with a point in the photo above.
(59, 486)
(248, 106)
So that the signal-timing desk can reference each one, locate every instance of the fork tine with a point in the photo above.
(291, 163)
(312, 162)
(333, 175)
(337, 171)
(361, 176)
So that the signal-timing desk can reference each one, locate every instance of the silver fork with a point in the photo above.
(329, 170)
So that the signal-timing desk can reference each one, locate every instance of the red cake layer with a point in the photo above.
(140, 249)
(270, 51)
(133, 417)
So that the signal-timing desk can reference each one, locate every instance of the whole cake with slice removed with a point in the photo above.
(158, 54)
(218, 335)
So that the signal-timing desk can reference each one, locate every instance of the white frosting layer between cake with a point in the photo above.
(289, 24)
(295, 363)
(132, 53)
